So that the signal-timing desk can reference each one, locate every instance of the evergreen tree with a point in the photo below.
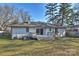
(52, 14)
(59, 14)
(76, 13)
(65, 12)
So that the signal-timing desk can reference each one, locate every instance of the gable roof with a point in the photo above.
(37, 24)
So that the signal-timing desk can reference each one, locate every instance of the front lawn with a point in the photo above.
(64, 46)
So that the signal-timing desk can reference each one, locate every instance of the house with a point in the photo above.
(73, 31)
(41, 30)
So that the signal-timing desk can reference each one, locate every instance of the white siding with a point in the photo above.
(47, 30)
(16, 31)
(32, 30)
(61, 32)
(52, 31)
(44, 31)
(22, 31)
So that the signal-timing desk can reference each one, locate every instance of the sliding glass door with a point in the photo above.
(39, 31)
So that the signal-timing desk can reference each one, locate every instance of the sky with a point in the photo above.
(35, 10)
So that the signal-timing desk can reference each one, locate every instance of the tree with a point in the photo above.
(65, 12)
(70, 17)
(51, 11)
(11, 15)
(59, 14)
(24, 16)
(76, 17)
(76, 13)
(6, 14)
(52, 14)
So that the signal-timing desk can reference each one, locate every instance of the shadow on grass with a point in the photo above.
(7, 37)
(13, 46)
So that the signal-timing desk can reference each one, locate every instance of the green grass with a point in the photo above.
(57, 47)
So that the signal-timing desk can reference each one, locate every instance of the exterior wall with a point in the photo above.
(61, 32)
(16, 31)
(52, 31)
(21, 31)
(32, 30)
(45, 35)
(46, 32)
(72, 32)
(75, 28)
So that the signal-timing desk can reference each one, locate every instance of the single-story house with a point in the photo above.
(1, 33)
(73, 31)
(38, 29)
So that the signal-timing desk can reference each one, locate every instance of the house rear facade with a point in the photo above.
(38, 29)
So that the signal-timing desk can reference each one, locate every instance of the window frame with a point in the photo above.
(27, 29)
(39, 31)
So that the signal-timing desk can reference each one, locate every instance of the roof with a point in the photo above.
(37, 24)
(73, 26)
(1, 31)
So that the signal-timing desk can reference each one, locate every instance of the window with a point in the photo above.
(39, 31)
(75, 30)
(49, 29)
(27, 29)
(49, 33)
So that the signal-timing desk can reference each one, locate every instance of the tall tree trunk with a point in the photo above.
(62, 17)
(56, 32)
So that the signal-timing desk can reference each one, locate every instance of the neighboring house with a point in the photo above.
(73, 31)
(1, 33)
(38, 29)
